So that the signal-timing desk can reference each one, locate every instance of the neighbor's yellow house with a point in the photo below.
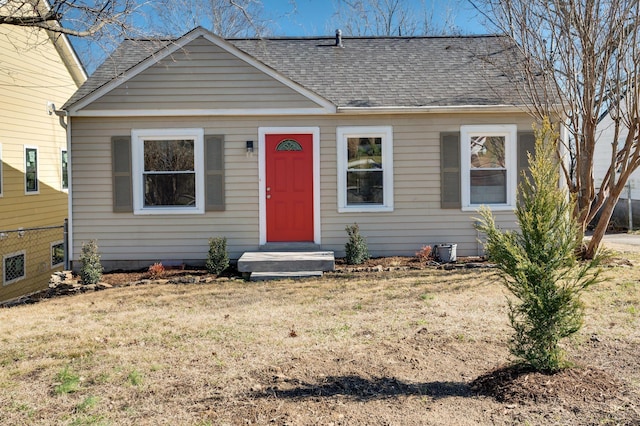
(38, 70)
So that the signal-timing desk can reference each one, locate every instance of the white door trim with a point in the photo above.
(262, 133)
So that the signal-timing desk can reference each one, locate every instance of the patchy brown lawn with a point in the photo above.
(402, 346)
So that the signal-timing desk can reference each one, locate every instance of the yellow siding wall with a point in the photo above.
(417, 218)
(31, 74)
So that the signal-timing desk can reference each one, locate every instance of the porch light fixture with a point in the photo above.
(249, 147)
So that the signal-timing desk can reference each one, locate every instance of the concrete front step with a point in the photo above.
(291, 261)
(267, 276)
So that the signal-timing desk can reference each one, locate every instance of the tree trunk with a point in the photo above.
(603, 223)
(600, 230)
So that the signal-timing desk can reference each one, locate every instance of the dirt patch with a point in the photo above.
(516, 384)
(374, 265)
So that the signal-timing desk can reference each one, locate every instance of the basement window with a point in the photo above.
(14, 268)
(57, 254)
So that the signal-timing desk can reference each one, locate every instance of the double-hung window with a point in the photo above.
(168, 171)
(31, 170)
(365, 169)
(489, 166)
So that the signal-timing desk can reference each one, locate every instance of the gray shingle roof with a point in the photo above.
(393, 71)
(367, 71)
(128, 54)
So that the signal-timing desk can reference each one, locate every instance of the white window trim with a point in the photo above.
(510, 133)
(62, 188)
(37, 170)
(4, 269)
(384, 132)
(55, 243)
(137, 164)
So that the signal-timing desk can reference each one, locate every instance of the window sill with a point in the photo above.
(493, 207)
(365, 209)
(168, 211)
(13, 281)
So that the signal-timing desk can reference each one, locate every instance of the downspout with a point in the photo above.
(66, 125)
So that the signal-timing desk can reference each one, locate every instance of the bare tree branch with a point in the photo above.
(226, 18)
(71, 17)
(586, 54)
(388, 18)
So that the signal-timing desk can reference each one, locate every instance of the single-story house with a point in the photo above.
(289, 140)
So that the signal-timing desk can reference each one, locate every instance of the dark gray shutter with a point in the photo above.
(526, 144)
(450, 171)
(214, 176)
(121, 166)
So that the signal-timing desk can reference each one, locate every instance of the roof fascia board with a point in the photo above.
(301, 111)
(433, 109)
(201, 112)
(181, 43)
(66, 51)
(135, 70)
(69, 56)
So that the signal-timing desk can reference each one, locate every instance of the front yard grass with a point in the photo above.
(399, 347)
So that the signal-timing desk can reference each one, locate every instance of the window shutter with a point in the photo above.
(214, 176)
(450, 171)
(526, 144)
(121, 165)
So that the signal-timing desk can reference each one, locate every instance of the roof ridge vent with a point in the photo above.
(339, 38)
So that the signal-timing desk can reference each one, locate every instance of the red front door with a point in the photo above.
(289, 187)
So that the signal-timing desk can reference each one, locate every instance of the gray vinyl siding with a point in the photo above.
(201, 76)
(417, 219)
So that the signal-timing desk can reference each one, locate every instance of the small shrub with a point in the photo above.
(156, 271)
(91, 270)
(538, 264)
(356, 248)
(218, 258)
(425, 254)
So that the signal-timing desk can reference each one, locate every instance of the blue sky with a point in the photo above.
(315, 17)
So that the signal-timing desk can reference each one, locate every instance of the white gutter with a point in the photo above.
(433, 109)
(200, 112)
(300, 111)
